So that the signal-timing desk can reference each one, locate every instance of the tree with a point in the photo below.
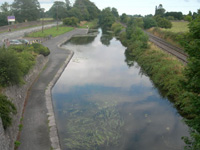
(149, 22)
(68, 4)
(5, 7)
(124, 18)
(163, 22)
(88, 9)
(115, 12)
(176, 15)
(58, 10)
(26, 10)
(5, 11)
(192, 84)
(160, 11)
(188, 18)
(106, 18)
(71, 21)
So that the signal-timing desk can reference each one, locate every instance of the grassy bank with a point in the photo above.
(51, 31)
(170, 76)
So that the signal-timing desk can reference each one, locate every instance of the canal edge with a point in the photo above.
(53, 131)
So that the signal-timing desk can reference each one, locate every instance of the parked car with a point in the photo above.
(24, 41)
(15, 42)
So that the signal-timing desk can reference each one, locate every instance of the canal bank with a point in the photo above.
(101, 101)
(35, 133)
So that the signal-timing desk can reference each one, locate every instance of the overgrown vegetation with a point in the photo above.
(15, 62)
(191, 99)
(180, 84)
(72, 21)
(7, 108)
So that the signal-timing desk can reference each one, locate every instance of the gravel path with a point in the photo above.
(35, 132)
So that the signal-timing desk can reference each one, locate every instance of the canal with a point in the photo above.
(101, 102)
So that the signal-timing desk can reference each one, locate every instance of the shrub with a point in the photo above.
(10, 72)
(149, 22)
(163, 22)
(72, 21)
(40, 49)
(116, 28)
(7, 108)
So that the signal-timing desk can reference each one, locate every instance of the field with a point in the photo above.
(181, 26)
(51, 31)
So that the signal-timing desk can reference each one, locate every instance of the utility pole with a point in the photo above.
(57, 17)
(42, 19)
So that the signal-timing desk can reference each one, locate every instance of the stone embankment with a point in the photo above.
(18, 94)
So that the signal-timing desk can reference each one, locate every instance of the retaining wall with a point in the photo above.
(17, 94)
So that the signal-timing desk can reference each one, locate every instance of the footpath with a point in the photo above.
(35, 133)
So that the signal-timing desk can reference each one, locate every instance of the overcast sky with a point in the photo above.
(132, 7)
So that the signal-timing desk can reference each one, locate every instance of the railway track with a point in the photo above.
(179, 53)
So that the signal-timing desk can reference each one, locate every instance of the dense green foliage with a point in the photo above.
(4, 12)
(88, 10)
(174, 15)
(71, 21)
(40, 49)
(163, 22)
(58, 10)
(106, 18)
(29, 8)
(82, 9)
(15, 62)
(192, 84)
(117, 28)
(149, 22)
(10, 72)
(6, 110)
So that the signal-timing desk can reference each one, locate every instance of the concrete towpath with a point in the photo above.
(35, 132)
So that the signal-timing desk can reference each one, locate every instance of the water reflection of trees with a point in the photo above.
(130, 60)
(82, 40)
(106, 38)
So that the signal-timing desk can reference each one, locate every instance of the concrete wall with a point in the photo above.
(17, 94)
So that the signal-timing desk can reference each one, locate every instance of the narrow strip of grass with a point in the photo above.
(51, 31)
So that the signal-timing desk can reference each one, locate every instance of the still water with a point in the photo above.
(102, 102)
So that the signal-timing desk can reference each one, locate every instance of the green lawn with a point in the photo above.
(51, 31)
(178, 27)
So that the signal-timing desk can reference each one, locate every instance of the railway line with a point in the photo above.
(179, 53)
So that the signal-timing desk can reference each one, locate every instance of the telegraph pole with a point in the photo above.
(57, 17)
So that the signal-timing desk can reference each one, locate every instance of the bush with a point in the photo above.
(116, 28)
(149, 22)
(71, 21)
(10, 70)
(163, 22)
(7, 108)
(40, 49)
